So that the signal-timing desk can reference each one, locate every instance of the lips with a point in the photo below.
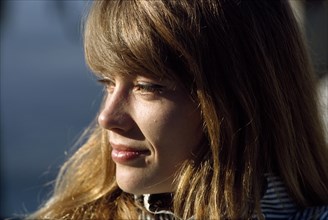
(124, 154)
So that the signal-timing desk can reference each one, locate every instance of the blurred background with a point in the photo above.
(48, 96)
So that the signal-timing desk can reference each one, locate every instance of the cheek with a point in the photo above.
(174, 128)
(185, 128)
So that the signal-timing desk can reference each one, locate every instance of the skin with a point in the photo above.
(155, 117)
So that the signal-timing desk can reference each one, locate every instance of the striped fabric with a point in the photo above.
(275, 204)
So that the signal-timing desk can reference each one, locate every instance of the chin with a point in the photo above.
(140, 190)
(129, 187)
(136, 183)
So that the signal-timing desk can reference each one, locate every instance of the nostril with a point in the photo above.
(108, 120)
(101, 120)
(115, 120)
(104, 120)
(115, 114)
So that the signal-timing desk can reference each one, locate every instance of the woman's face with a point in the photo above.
(153, 126)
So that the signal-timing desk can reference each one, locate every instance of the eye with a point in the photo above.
(149, 88)
(108, 83)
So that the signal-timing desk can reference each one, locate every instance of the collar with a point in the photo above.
(156, 203)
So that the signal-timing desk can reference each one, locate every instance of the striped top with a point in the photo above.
(275, 204)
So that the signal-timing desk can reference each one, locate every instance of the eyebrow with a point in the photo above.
(104, 74)
(109, 75)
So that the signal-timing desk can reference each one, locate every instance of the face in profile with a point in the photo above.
(153, 126)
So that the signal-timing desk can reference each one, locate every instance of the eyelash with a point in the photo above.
(107, 83)
(142, 87)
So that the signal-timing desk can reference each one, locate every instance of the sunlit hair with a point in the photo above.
(245, 63)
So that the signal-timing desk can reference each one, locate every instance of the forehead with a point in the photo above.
(115, 40)
(121, 39)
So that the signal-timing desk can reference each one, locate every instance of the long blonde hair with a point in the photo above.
(246, 64)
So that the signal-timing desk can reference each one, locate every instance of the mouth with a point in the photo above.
(124, 154)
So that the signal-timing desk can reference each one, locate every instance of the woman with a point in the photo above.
(210, 112)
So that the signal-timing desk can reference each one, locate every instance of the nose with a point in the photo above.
(115, 114)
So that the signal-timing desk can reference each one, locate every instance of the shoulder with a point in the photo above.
(319, 212)
(277, 204)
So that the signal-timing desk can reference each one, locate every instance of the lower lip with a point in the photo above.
(123, 156)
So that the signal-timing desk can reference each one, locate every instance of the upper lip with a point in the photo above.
(123, 147)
